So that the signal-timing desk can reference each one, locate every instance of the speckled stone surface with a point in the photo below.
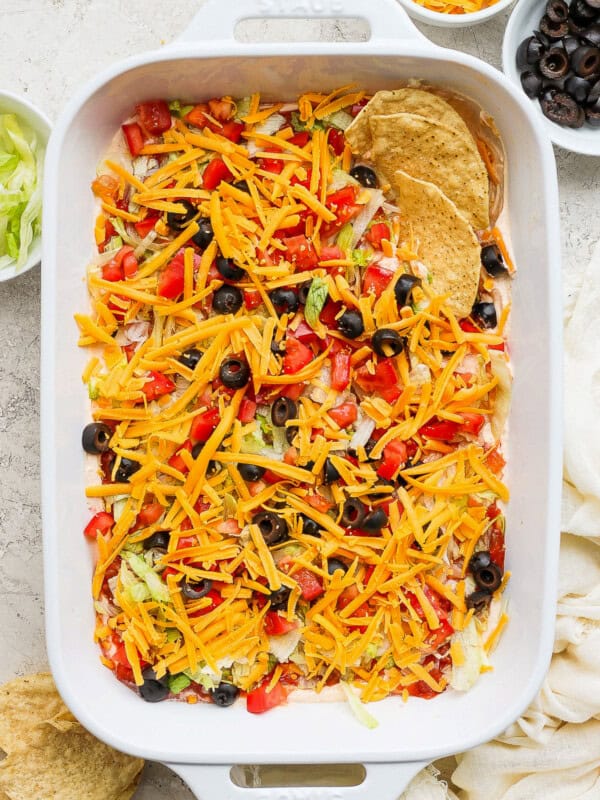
(48, 49)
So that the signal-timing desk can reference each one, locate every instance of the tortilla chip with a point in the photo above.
(446, 243)
(59, 765)
(23, 703)
(430, 151)
(409, 101)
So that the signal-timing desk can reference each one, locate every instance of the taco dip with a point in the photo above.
(299, 379)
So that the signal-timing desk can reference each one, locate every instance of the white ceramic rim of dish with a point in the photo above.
(422, 14)
(585, 140)
(36, 119)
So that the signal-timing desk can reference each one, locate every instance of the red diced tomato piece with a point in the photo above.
(130, 265)
(252, 299)
(177, 462)
(301, 252)
(144, 226)
(384, 381)
(310, 585)
(340, 370)
(259, 700)
(215, 600)
(276, 625)
(376, 279)
(247, 410)
(473, 423)
(100, 523)
(336, 140)
(134, 138)
(329, 313)
(344, 414)
(232, 130)
(442, 429)
(293, 391)
(300, 139)
(394, 456)
(358, 107)
(305, 334)
(215, 172)
(197, 116)
(204, 424)
(297, 356)
(112, 271)
(220, 108)
(341, 198)
(149, 514)
(172, 279)
(377, 233)
(154, 117)
(331, 253)
(158, 386)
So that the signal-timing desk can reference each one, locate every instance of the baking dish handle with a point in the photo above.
(217, 19)
(382, 782)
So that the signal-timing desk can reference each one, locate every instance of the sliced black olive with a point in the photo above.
(95, 438)
(190, 358)
(333, 564)
(562, 109)
(554, 63)
(227, 300)
(273, 528)
(553, 30)
(387, 343)
(303, 291)
(375, 520)
(532, 83)
(489, 577)
(290, 433)
(404, 286)
(557, 10)
(478, 600)
(212, 467)
(351, 324)
(570, 43)
(529, 52)
(592, 116)
(364, 175)
(309, 526)
(310, 465)
(581, 12)
(479, 560)
(224, 695)
(234, 373)
(330, 473)
(594, 94)
(179, 221)
(242, 186)
(577, 28)
(205, 234)
(492, 260)
(251, 472)
(578, 88)
(194, 591)
(586, 61)
(592, 35)
(542, 38)
(153, 690)
(278, 348)
(159, 539)
(353, 512)
(197, 449)
(485, 314)
(282, 410)
(229, 269)
(285, 301)
(279, 598)
(126, 469)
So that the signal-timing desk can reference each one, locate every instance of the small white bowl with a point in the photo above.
(41, 125)
(429, 17)
(523, 21)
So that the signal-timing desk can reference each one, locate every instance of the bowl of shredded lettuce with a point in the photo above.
(24, 132)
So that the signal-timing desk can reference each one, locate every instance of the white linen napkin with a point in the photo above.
(553, 750)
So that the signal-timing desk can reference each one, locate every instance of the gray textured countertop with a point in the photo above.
(49, 49)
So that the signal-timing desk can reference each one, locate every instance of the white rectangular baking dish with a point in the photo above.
(201, 742)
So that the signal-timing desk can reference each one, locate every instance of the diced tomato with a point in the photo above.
(472, 424)
(106, 188)
(442, 429)
(384, 381)
(228, 527)
(305, 334)
(329, 313)
(274, 165)
(134, 138)
(318, 502)
(310, 585)
(129, 350)
(154, 117)
(197, 117)
(467, 326)
(247, 410)
(301, 252)
(331, 253)
(215, 600)
(100, 523)
(340, 370)
(496, 546)
(376, 279)
(495, 461)
(144, 226)
(438, 636)
(377, 233)
(158, 386)
(300, 139)
(293, 391)
(220, 108)
(259, 700)
(112, 271)
(252, 299)
(177, 462)
(297, 356)
(130, 265)
(342, 203)
(123, 265)
(232, 130)
(215, 172)
(358, 107)
(204, 424)
(336, 140)
(394, 456)
(149, 514)
(347, 596)
(344, 414)
(276, 625)
(172, 279)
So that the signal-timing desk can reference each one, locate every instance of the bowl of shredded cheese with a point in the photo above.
(24, 133)
(454, 13)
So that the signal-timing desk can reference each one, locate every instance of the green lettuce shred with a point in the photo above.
(316, 299)
(358, 708)
(156, 587)
(177, 683)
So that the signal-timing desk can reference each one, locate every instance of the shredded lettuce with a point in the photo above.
(135, 589)
(316, 299)
(21, 159)
(358, 708)
(176, 108)
(177, 683)
(93, 389)
(361, 258)
(207, 679)
(242, 107)
(299, 126)
(344, 237)
(156, 587)
(340, 120)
